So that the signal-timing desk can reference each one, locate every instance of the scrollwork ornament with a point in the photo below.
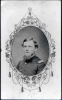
(31, 82)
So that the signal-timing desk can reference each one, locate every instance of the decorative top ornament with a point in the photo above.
(29, 10)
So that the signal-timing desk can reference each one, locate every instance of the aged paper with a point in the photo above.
(48, 12)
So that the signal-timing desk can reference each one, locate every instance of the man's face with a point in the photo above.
(29, 48)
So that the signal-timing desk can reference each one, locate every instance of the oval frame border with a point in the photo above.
(35, 81)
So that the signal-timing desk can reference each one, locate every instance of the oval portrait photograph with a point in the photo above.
(30, 51)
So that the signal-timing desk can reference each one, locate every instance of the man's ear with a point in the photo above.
(35, 49)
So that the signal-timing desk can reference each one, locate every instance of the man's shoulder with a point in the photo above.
(38, 60)
(41, 61)
(21, 61)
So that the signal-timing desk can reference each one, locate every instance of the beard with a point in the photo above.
(28, 56)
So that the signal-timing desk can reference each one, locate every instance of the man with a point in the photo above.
(31, 64)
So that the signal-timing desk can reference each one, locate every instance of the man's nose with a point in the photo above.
(27, 49)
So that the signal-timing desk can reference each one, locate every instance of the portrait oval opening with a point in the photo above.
(30, 51)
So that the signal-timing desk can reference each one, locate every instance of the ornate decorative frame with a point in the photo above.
(35, 81)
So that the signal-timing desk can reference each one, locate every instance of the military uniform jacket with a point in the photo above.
(31, 66)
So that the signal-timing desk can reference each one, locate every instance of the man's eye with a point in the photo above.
(25, 46)
(29, 46)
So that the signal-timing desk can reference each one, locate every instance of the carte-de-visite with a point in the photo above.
(30, 52)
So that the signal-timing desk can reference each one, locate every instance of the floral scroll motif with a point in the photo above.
(30, 20)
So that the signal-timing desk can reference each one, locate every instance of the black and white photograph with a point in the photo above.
(31, 49)
(26, 48)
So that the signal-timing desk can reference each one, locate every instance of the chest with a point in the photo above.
(28, 66)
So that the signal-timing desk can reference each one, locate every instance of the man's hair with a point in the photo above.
(29, 39)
